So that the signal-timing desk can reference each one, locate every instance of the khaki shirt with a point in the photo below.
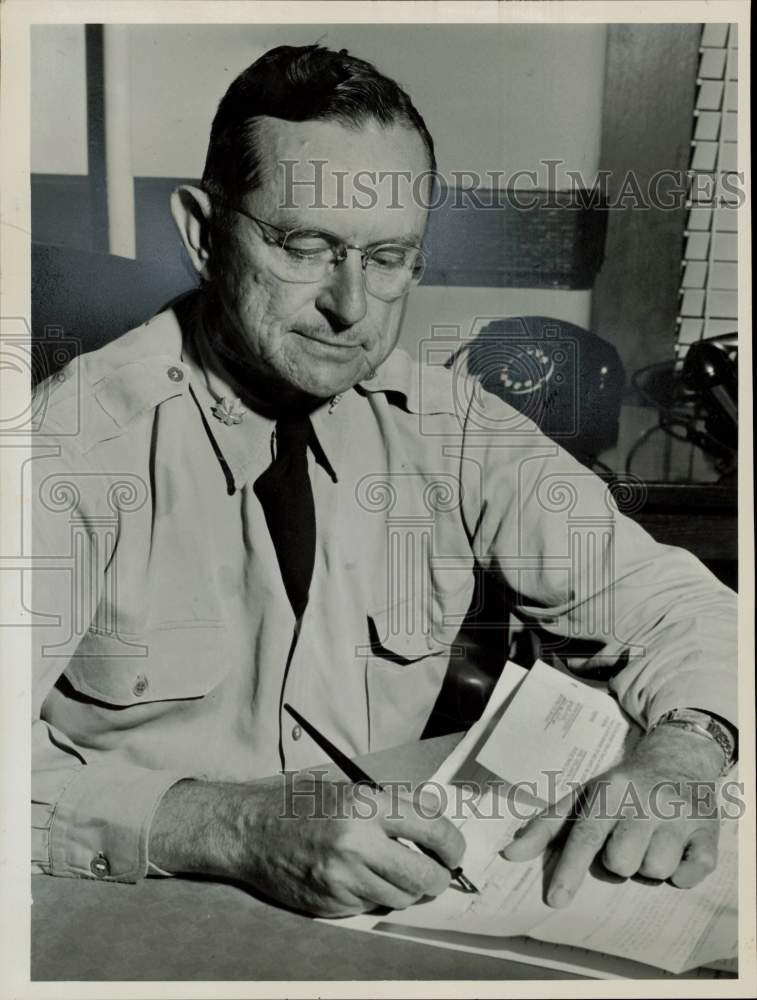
(166, 646)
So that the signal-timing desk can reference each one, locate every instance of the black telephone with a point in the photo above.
(710, 370)
(566, 379)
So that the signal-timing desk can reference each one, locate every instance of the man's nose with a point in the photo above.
(343, 297)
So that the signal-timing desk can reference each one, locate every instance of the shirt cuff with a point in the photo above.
(700, 689)
(101, 822)
(152, 869)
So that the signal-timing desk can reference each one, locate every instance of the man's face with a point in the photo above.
(320, 338)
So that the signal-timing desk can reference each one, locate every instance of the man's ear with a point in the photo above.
(191, 209)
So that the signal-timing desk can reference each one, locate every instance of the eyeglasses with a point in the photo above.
(308, 256)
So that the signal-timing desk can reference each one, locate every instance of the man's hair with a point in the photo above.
(298, 84)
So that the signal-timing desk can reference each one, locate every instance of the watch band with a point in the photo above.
(703, 724)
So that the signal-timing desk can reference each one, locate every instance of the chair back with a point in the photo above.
(81, 301)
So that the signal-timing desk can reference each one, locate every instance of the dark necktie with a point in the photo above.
(286, 495)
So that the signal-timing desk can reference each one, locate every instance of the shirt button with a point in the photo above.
(296, 733)
(175, 374)
(140, 685)
(100, 866)
(60, 377)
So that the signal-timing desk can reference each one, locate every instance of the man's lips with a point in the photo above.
(327, 342)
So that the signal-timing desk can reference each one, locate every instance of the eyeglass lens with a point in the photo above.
(390, 269)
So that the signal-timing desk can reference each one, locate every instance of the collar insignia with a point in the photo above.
(228, 411)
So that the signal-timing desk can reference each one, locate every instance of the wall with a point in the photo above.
(521, 94)
(58, 100)
(495, 97)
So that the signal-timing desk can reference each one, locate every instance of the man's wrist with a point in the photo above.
(186, 832)
(681, 753)
(213, 827)
(704, 727)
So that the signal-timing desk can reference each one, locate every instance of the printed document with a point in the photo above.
(542, 730)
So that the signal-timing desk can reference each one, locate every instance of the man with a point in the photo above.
(226, 476)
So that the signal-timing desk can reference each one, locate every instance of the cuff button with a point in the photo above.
(100, 867)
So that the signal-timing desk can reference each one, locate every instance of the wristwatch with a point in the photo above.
(709, 727)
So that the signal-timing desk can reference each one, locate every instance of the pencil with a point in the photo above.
(357, 775)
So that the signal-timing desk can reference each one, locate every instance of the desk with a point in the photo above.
(192, 929)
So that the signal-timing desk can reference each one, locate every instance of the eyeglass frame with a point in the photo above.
(339, 246)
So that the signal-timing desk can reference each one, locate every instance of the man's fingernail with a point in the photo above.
(559, 896)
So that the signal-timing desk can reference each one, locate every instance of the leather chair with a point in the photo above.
(81, 301)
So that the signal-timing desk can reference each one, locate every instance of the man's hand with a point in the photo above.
(320, 847)
(656, 816)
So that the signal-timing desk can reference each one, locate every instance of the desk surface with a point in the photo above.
(193, 929)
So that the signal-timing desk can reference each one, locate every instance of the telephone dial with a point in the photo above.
(567, 380)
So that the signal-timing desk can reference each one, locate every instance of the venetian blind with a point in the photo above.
(708, 292)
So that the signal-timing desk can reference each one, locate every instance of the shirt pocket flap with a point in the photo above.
(159, 665)
(400, 634)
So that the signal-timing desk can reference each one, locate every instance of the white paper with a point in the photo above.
(457, 766)
(562, 958)
(557, 731)
(536, 721)
(674, 929)
(547, 721)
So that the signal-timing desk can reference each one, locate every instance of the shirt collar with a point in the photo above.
(422, 390)
(245, 448)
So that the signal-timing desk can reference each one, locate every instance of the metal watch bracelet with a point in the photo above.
(704, 725)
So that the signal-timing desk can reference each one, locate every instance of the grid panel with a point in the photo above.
(708, 289)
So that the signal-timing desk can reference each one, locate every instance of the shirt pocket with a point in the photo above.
(179, 662)
(406, 665)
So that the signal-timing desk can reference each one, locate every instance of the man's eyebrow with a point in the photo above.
(413, 239)
(285, 222)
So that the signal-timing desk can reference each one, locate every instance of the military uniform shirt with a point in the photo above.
(165, 645)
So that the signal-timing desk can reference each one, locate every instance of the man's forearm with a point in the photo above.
(316, 846)
(200, 826)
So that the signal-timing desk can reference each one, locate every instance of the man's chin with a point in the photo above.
(327, 389)
(326, 381)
